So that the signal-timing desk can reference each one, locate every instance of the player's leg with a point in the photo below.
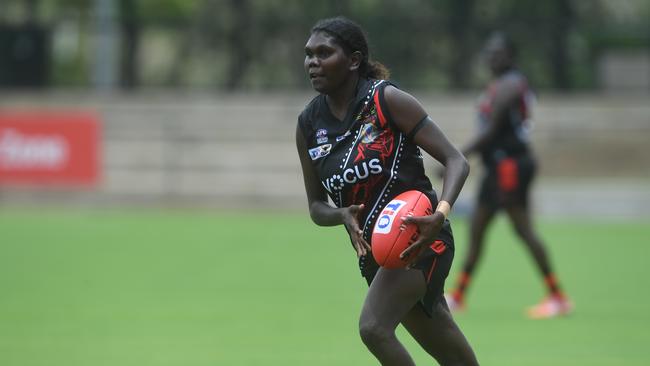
(479, 222)
(390, 297)
(430, 322)
(515, 200)
(520, 218)
(439, 335)
(516, 204)
(556, 303)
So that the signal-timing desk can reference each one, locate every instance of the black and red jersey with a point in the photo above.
(364, 158)
(513, 137)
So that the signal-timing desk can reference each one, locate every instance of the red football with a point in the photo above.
(391, 237)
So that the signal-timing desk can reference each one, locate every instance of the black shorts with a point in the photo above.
(507, 182)
(434, 265)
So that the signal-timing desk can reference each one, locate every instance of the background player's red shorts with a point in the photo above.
(508, 182)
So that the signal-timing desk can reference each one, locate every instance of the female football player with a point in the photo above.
(359, 144)
(509, 168)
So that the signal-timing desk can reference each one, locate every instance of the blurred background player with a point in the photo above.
(358, 143)
(509, 170)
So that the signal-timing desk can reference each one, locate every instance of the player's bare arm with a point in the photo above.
(408, 113)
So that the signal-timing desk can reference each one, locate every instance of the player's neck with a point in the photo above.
(340, 101)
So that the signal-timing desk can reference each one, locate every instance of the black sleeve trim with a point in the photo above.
(417, 127)
(389, 117)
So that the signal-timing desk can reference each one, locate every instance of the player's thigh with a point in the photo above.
(392, 294)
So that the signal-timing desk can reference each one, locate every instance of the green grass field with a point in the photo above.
(189, 289)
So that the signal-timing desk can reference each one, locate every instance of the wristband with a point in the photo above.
(444, 207)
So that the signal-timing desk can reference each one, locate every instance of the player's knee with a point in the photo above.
(373, 334)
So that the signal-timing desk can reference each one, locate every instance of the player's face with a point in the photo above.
(326, 63)
(496, 56)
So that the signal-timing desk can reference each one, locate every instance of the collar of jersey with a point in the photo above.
(363, 87)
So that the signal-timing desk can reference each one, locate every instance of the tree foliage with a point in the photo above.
(253, 44)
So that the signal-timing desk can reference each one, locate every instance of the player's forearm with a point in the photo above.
(456, 172)
(323, 214)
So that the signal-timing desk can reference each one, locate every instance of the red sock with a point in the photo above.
(552, 285)
(463, 282)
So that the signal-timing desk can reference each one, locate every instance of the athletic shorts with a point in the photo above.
(507, 182)
(434, 265)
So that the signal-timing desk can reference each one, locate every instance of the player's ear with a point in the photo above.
(355, 60)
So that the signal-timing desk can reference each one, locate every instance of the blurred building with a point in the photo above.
(626, 71)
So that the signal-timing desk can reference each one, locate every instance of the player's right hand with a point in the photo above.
(351, 222)
(428, 228)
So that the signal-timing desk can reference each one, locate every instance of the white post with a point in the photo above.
(104, 67)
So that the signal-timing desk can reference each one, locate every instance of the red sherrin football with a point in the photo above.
(390, 237)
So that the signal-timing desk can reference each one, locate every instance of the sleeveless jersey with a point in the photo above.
(365, 158)
(513, 137)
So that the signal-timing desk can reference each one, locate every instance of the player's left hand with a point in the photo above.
(351, 221)
(428, 227)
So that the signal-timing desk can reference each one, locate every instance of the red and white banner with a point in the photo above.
(49, 147)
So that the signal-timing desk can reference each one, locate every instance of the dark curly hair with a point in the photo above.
(351, 38)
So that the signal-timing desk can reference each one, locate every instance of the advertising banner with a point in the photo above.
(49, 148)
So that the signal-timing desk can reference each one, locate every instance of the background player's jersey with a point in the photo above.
(364, 158)
(513, 137)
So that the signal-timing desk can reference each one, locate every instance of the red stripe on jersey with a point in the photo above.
(382, 118)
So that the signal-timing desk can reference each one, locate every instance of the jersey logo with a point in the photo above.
(320, 151)
(352, 175)
(369, 133)
(342, 137)
(385, 220)
(321, 136)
